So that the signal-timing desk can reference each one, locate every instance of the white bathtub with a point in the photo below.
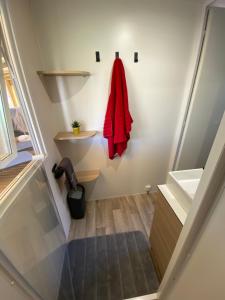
(180, 189)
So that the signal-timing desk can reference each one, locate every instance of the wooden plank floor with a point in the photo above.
(115, 215)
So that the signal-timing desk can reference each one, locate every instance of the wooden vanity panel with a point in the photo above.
(165, 231)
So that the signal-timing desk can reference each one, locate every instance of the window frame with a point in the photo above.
(25, 99)
(19, 82)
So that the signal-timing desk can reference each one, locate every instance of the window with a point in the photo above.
(7, 144)
(18, 144)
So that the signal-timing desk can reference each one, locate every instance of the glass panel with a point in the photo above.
(18, 139)
(4, 138)
(208, 101)
(20, 133)
(20, 128)
(32, 238)
(15, 293)
(6, 149)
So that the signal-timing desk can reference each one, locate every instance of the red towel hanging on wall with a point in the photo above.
(118, 120)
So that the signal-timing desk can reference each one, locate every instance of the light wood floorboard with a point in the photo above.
(115, 215)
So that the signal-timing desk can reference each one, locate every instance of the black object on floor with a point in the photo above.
(109, 267)
(76, 194)
(76, 202)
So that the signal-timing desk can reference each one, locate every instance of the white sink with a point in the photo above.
(183, 186)
(179, 190)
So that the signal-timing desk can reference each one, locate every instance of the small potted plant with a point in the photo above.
(76, 127)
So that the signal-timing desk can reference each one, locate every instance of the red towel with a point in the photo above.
(118, 120)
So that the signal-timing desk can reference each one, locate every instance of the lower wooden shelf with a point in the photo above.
(87, 176)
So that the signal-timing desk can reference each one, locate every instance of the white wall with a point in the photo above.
(208, 101)
(28, 50)
(163, 32)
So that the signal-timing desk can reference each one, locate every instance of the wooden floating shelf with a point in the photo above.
(64, 73)
(87, 176)
(69, 136)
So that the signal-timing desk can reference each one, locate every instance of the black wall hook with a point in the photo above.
(97, 54)
(117, 55)
(135, 57)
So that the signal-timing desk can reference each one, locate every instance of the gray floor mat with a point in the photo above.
(109, 267)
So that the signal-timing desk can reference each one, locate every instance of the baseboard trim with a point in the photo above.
(118, 196)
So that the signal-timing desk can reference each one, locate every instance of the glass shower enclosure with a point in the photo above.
(32, 238)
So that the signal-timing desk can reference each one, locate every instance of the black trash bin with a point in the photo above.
(76, 202)
(76, 194)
